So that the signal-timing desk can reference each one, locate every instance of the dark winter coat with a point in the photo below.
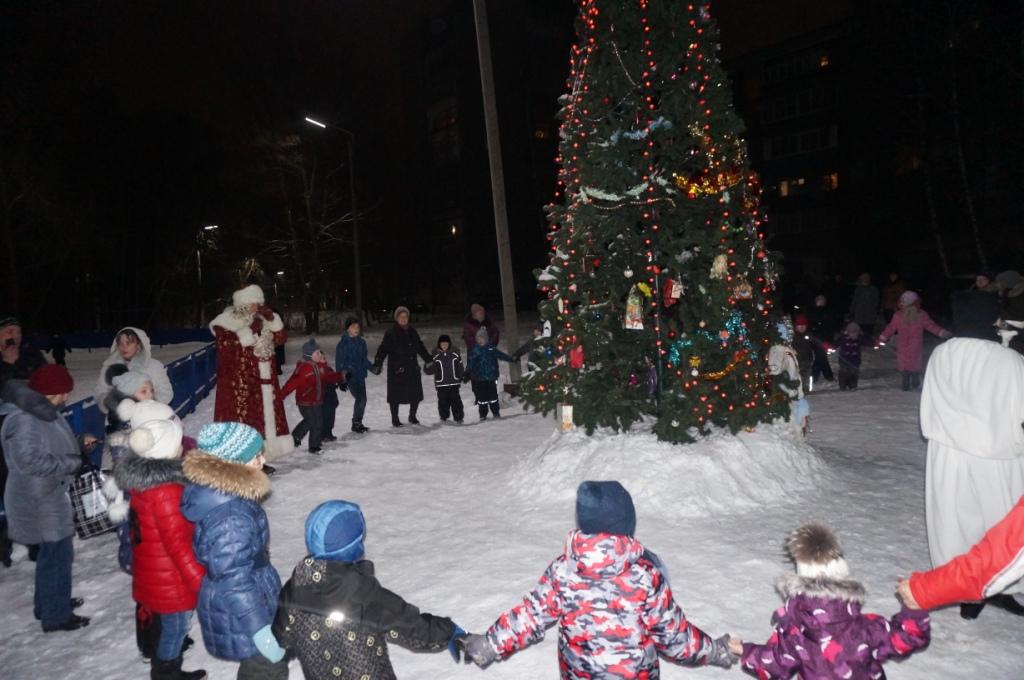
(167, 575)
(309, 381)
(42, 456)
(351, 358)
(471, 326)
(29, 359)
(975, 313)
(821, 634)
(339, 620)
(238, 595)
(400, 347)
(808, 349)
(864, 305)
(483, 363)
(447, 368)
(824, 323)
(849, 350)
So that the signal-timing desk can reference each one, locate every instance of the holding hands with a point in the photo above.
(906, 594)
(476, 649)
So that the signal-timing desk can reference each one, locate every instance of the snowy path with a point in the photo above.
(448, 532)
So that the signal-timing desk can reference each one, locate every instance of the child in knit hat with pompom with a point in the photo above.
(482, 369)
(335, 615)
(820, 632)
(238, 596)
(604, 569)
(165, 573)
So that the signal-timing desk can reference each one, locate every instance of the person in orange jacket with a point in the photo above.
(311, 376)
(991, 570)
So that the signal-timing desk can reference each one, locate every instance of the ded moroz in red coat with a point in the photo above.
(165, 573)
(308, 382)
(247, 387)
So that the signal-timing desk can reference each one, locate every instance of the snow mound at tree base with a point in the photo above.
(723, 473)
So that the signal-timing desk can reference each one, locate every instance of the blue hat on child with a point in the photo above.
(234, 442)
(309, 347)
(605, 508)
(335, 531)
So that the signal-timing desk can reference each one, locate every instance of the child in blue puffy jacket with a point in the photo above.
(483, 371)
(238, 595)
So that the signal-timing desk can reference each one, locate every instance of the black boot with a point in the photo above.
(970, 610)
(906, 380)
(395, 422)
(73, 623)
(1006, 603)
(358, 427)
(171, 670)
(412, 414)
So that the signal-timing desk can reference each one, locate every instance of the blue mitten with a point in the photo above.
(453, 648)
(266, 643)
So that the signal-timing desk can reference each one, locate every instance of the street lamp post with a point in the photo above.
(356, 263)
(200, 240)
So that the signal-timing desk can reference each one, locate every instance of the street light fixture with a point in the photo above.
(351, 139)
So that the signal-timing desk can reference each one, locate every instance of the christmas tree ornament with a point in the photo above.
(645, 289)
(634, 319)
(671, 291)
(628, 273)
(576, 357)
(720, 266)
(634, 380)
(743, 290)
(694, 361)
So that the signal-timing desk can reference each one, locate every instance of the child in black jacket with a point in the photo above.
(447, 369)
(337, 618)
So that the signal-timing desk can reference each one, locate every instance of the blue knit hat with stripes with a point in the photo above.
(234, 442)
(335, 531)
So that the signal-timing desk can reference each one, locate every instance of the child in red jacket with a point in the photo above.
(311, 375)
(165, 573)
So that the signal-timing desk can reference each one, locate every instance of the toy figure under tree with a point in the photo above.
(659, 283)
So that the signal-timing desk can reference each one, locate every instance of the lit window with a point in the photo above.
(830, 181)
(823, 62)
(784, 188)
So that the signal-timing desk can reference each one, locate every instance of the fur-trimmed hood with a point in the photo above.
(791, 585)
(135, 473)
(231, 479)
(239, 322)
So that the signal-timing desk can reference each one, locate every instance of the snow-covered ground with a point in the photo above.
(462, 521)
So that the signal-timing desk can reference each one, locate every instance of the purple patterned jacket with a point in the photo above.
(615, 611)
(821, 634)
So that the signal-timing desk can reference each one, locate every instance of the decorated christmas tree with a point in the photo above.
(659, 285)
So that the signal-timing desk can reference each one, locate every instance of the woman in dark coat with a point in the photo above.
(400, 346)
(476, 320)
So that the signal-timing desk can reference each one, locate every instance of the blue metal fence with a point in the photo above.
(192, 377)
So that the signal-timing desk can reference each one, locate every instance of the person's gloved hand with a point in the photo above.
(466, 378)
(343, 387)
(478, 649)
(375, 370)
(453, 646)
(267, 645)
(725, 651)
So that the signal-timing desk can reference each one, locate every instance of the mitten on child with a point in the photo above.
(725, 651)
(375, 369)
(453, 642)
(478, 649)
(267, 645)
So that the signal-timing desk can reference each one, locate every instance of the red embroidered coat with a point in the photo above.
(239, 393)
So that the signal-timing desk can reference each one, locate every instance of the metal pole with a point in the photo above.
(508, 296)
(199, 277)
(355, 226)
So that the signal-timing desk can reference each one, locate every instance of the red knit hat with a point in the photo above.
(51, 379)
(800, 320)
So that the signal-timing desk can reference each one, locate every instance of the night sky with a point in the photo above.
(125, 126)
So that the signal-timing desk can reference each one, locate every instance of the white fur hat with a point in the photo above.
(251, 294)
(136, 413)
(158, 439)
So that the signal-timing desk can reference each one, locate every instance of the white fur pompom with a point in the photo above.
(125, 409)
(141, 440)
